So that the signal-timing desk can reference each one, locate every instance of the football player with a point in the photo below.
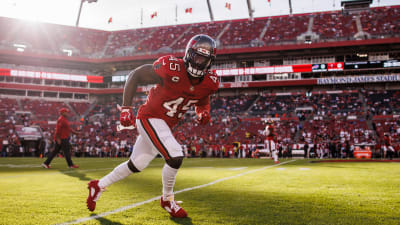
(270, 144)
(180, 84)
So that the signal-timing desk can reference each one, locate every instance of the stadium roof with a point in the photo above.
(127, 14)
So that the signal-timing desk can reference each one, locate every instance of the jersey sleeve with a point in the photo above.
(213, 82)
(161, 66)
(58, 128)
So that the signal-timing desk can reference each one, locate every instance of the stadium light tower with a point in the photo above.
(250, 9)
(210, 10)
(80, 9)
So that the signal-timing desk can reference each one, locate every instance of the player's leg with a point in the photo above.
(52, 154)
(274, 151)
(142, 154)
(269, 149)
(140, 158)
(391, 152)
(384, 151)
(65, 147)
(160, 135)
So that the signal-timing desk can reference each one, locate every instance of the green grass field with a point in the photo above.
(234, 191)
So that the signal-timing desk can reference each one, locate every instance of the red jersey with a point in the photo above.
(269, 132)
(63, 129)
(388, 141)
(175, 95)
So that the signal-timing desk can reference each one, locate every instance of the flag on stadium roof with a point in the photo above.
(188, 10)
(228, 5)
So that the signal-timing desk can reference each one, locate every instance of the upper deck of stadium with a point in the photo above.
(322, 29)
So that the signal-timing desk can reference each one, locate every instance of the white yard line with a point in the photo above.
(238, 168)
(176, 192)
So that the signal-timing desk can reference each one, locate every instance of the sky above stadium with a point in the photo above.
(127, 14)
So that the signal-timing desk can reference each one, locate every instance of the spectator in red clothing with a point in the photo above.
(61, 138)
(387, 147)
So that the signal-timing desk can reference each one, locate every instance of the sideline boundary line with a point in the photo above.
(124, 208)
(66, 171)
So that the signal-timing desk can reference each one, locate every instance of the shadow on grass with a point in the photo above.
(77, 174)
(104, 221)
(185, 221)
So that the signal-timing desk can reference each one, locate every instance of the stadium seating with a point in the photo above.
(286, 28)
(334, 25)
(379, 22)
(43, 110)
(242, 32)
(275, 106)
(8, 118)
(383, 102)
(234, 119)
(160, 37)
(84, 42)
(211, 29)
(80, 107)
(382, 21)
(229, 105)
(125, 38)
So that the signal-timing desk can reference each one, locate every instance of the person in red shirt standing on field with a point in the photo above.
(270, 141)
(180, 84)
(387, 147)
(61, 137)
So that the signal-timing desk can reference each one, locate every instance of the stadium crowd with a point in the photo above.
(332, 125)
(378, 22)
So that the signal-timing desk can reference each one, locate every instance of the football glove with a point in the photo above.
(204, 118)
(126, 117)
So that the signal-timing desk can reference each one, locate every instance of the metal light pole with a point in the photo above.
(250, 9)
(80, 10)
(290, 7)
(210, 10)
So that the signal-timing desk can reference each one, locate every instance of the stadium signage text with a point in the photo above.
(338, 66)
(264, 70)
(358, 79)
(50, 75)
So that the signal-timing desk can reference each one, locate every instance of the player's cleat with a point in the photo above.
(74, 166)
(173, 208)
(277, 162)
(46, 166)
(94, 194)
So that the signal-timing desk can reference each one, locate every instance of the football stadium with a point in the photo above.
(200, 112)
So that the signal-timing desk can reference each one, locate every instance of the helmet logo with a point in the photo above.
(204, 51)
(175, 79)
(192, 42)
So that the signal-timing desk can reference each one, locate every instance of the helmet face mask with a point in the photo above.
(199, 55)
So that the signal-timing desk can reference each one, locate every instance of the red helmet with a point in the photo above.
(199, 55)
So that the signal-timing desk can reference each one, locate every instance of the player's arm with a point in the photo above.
(202, 109)
(140, 76)
(58, 132)
(75, 132)
(203, 105)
